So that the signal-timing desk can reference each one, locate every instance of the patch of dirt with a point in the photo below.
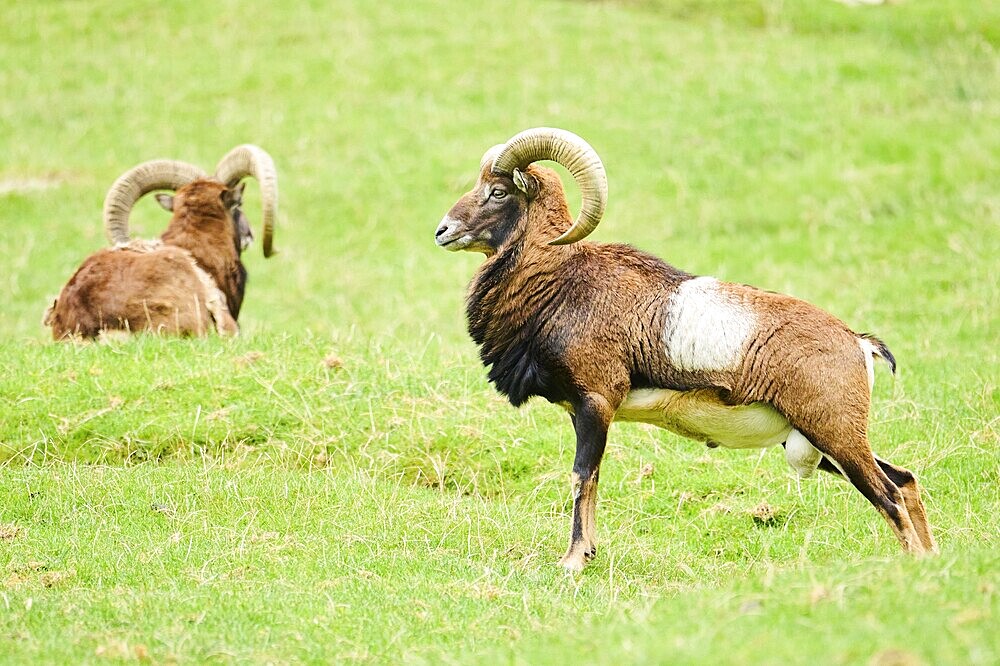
(119, 650)
(895, 657)
(249, 358)
(22, 185)
(10, 531)
(53, 578)
(27, 567)
(766, 515)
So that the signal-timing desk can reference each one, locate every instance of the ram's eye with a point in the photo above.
(498, 193)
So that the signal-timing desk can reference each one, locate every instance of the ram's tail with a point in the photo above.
(872, 347)
(881, 350)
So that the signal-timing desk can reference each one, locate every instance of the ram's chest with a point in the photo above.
(702, 416)
(522, 353)
(520, 370)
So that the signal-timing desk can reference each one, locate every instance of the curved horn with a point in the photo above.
(490, 156)
(137, 182)
(250, 160)
(577, 156)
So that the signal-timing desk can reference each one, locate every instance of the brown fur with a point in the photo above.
(582, 325)
(202, 226)
(156, 286)
(808, 364)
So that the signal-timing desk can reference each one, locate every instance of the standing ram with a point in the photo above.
(612, 333)
(188, 281)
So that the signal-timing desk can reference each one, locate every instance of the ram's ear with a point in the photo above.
(234, 195)
(526, 183)
(166, 201)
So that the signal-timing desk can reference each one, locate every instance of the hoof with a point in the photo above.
(576, 558)
(572, 563)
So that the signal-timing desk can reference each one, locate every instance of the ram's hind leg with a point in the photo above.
(826, 397)
(854, 459)
(907, 484)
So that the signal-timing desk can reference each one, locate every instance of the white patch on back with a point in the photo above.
(140, 245)
(706, 328)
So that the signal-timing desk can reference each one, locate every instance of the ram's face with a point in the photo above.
(485, 217)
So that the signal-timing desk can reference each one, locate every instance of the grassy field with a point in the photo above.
(341, 484)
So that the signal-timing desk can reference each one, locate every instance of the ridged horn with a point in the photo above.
(490, 156)
(136, 183)
(573, 153)
(250, 160)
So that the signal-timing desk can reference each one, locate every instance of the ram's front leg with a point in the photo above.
(591, 419)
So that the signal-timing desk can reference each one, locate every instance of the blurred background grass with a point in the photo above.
(845, 155)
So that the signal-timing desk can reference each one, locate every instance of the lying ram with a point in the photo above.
(188, 281)
(612, 333)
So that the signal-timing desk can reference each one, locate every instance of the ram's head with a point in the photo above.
(194, 190)
(484, 218)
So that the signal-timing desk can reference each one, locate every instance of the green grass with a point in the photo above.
(341, 483)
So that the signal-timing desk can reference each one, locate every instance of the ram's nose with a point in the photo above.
(445, 231)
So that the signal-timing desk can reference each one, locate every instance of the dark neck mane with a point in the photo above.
(510, 296)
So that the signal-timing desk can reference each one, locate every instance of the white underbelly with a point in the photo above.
(702, 416)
